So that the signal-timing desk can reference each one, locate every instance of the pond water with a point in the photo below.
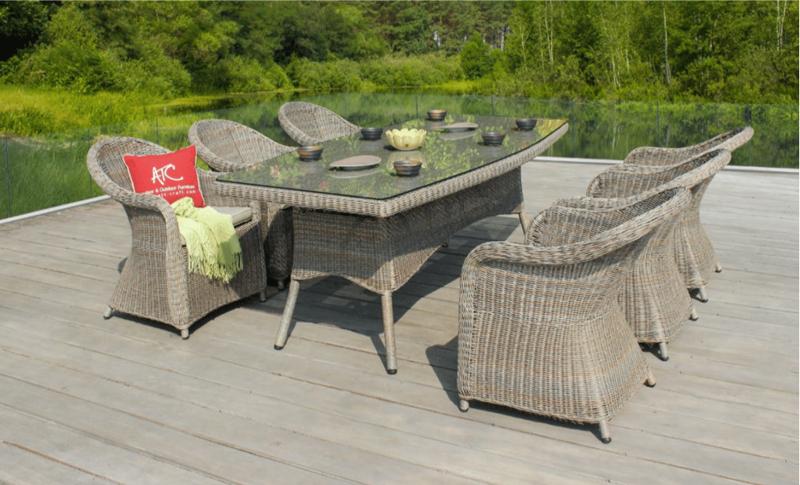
(36, 174)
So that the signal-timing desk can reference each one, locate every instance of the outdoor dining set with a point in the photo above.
(553, 325)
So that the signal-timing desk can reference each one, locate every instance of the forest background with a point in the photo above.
(67, 65)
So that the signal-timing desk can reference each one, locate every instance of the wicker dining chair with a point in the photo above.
(308, 123)
(653, 298)
(540, 326)
(227, 146)
(694, 252)
(730, 140)
(155, 282)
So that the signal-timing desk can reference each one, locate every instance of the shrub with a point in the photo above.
(324, 77)
(411, 71)
(243, 75)
(476, 58)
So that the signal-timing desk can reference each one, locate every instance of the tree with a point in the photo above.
(476, 57)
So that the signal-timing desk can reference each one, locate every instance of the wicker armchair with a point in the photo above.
(730, 141)
(155, 283)
(308, 123)
(540, 329)
(694, 252)
(227, 146)
(653, 298)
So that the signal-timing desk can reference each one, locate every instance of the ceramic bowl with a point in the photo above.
(407, 168)
(371, 133)
(309, 153)
(437, 114)
(406, 139)
(526, 124)
(493, 137)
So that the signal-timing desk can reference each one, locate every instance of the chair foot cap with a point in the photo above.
(391, 372)
(278, 347)
(605, 440)
(463, 405)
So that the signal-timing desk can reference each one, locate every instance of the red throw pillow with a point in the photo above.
(170, 176)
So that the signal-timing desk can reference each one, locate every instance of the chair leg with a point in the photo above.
(718, 268)
(262, 296)
(651, 379)
(281, 285)
(288, 311)
(388, 332)
(605, 434)
(524, 220)
(108, 313)
(663, 354)
(463, 405)
(701, 294)
(693, 316)
(185, 333)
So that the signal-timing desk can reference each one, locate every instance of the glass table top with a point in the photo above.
(443, 155)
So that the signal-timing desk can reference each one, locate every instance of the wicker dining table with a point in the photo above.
(376, 228)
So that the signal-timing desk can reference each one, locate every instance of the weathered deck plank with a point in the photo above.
(119, 394)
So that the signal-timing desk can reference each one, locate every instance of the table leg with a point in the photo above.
(388, 332)
(288, 311)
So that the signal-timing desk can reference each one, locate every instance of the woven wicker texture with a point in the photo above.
(540, 329)
(395, 205)
(654, 298)
(155, 282)
(308, 123)
(382, 254)
(694, 253)
(380, 244)
(227, 146)
(730, 140)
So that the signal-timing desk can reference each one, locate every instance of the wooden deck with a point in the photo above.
(88, 400)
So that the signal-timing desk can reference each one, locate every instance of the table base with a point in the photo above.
(382, 254)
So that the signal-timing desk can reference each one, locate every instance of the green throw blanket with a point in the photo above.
(211, 242)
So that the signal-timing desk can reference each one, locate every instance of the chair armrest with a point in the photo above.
(532, 255)
(595, 203)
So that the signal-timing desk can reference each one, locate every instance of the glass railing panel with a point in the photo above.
(41, 172)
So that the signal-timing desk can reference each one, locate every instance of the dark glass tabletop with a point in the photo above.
(444, 154)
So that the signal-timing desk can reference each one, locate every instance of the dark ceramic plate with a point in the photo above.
(437, 114)
(463, 126)
(359, 162)
(526, 124)
(406, 168)
(493, 138)
(309, 153)
(371, 133)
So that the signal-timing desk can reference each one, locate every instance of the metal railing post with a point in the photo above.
(658, 123)
(9, 196)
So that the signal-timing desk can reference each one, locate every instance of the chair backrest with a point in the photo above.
(308, 123)
(730, 140)
(106, 165)
(629, 180)
(607, 230)
(227, 145)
